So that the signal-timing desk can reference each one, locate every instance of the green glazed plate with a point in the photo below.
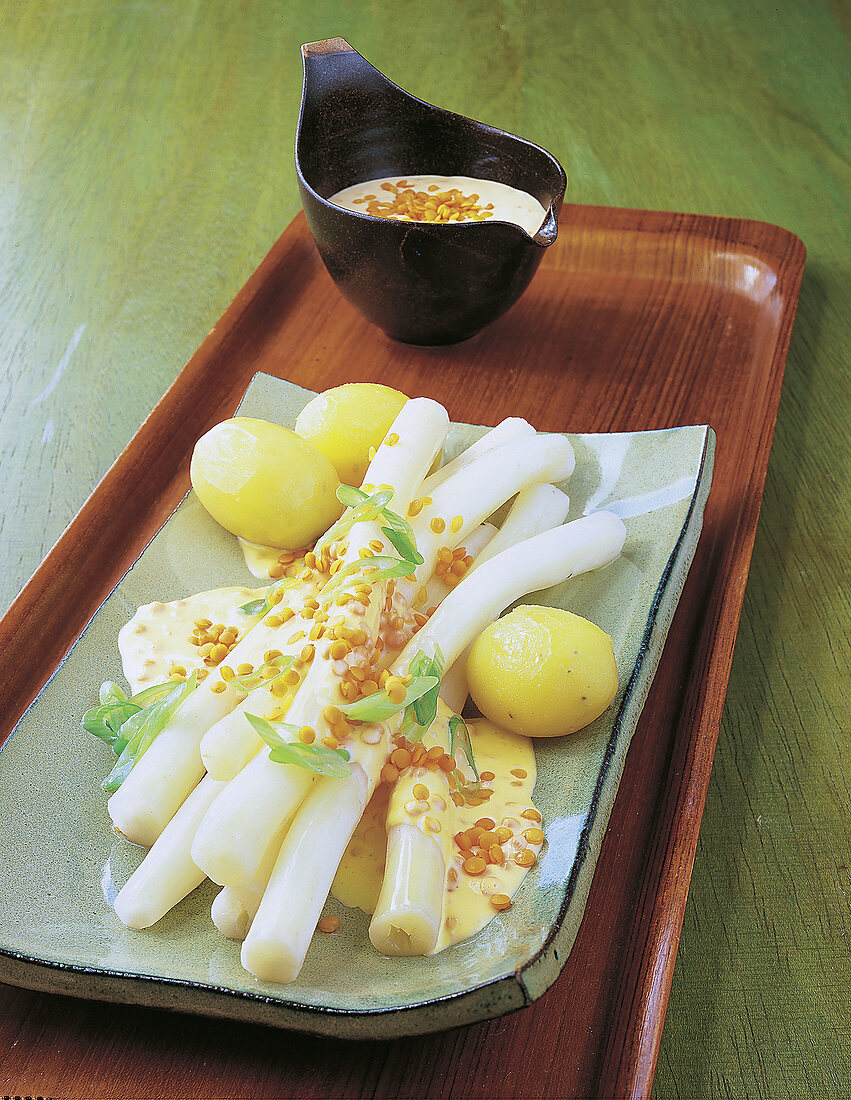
(63, 864)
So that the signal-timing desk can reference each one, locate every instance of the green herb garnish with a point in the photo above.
(374, 569)
(106, 720)
(110, 692)
(332, 763)
(460, 735)
(256, 607)
(248, 681)
(466, 788)
(262, 607)
(131, 725)
(360, 508)
(378, 707)
(404, 544)
(422, 712)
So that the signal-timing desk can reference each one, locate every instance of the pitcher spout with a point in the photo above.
(548, 232)
(424, 274)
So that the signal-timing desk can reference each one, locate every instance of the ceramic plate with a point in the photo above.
(64, 864)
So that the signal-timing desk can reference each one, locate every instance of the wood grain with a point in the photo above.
(638, 320)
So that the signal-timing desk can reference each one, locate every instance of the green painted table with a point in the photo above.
(145, 169)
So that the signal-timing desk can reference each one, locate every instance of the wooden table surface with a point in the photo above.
(146, 168)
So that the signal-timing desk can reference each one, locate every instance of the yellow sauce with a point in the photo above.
(467, 905)
(358, 879)
(158, 636)
(259, 559)
(492, 201)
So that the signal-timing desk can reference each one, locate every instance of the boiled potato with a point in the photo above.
(346, 421)
(264, 483)
(542, 672)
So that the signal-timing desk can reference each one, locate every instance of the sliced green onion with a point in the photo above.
(360, 509)
(152, 694)
(350, 496)
(404, 544)
(142, 727)
(459, 735)
(466, 787)
(375, 569)
(378, 707)
(261, 607)
(110, 692)
(253, 607)
(248, 681)
(105, 721)
(332, 763)
(426, 707)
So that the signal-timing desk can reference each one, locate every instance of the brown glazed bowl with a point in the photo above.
(422, 283)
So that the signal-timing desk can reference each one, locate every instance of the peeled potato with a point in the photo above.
(346, 421)
(542, 672)
(265, 484)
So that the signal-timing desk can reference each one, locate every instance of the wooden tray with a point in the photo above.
(637, 320)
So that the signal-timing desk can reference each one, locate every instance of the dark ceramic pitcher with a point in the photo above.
(421, 282)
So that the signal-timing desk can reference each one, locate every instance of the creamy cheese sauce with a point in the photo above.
(467, 905)
(159, 635)
(259, 559)
(496, 201)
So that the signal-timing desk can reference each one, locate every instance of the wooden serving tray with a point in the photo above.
(636, 320)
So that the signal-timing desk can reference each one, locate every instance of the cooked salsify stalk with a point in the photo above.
(243, 823)
(583, 545)
(463, 501)
(304, 871)
(538, 563)
(167, 874)
(233, 910)
(164, 776)
(407, 915)
(171, 768)
(230, 743)
(280, 933)
(513, 427)
(536, 508)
